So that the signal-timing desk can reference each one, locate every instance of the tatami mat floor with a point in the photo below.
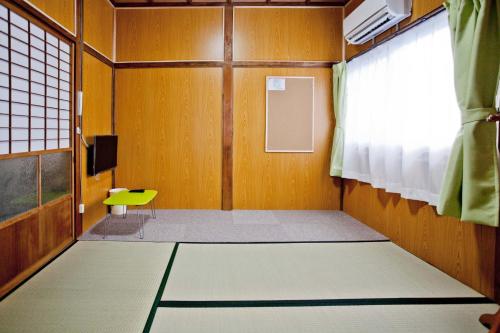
(92, 287)
(352, 319)
(305, 271)
(295, 287)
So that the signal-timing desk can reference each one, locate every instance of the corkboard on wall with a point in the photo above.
(289, 114)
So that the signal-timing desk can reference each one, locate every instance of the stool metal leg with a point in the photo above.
(153, 210)
(142, 225)
(141, 221)
(106, 220)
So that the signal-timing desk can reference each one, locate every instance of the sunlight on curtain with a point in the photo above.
(401, 112)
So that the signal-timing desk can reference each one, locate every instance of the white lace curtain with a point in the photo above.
(401, 112)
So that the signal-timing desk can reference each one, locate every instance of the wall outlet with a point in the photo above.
(81, 208)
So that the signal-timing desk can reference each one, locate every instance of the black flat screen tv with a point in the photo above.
(102, 155)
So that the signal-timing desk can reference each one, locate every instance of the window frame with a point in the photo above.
(47, 29)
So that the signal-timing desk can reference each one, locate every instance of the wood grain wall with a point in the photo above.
(98, 26)
(97, 116)
(61, 11)
(288, 34)
(169, 125)
(180, 34)
(33, 240)
(463, 250)
(170, 34)
(281, 180)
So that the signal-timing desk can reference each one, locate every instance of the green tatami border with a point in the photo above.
(161, 288)
(326, 302)
(158, 303)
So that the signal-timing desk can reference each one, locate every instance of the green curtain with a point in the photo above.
(339, 78)
(471, 185)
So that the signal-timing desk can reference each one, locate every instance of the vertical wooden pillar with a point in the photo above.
(78, 68)
(227, 113)
(113, 127)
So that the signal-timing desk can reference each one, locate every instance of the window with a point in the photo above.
(35, 116)
(401, 112)
(35, 81)
(19, 184)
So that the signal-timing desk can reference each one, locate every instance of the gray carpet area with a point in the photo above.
(238, 226)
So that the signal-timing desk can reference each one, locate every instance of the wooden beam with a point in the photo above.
(113, 127)
(189, 3)
(284, 64)
(90, 50)
(167, 64)
(227, 112)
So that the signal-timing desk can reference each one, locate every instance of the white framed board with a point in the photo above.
(289, 114)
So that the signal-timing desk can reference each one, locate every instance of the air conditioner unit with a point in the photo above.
(373, 17)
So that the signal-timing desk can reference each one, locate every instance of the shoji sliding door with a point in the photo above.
(34, 87)
(35, 144)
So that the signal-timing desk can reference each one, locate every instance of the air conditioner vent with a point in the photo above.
(373, 17)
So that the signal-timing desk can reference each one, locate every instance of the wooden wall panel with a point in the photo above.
(17, 253)
(288, 34)
(62, 11)
(97, 115)
(422, 8)
(98, 25)
(281, 180)
(464, 251)
(55, 225)
(167, 34)
(169, 123)
(33, 240)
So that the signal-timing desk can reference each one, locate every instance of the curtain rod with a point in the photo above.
(400, 31)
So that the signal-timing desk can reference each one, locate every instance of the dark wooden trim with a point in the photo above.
(167, 64)
(26, 8)
(93, 52)
(168, 4)
(33, 153)
(189, 3)
(236, 64)
(113, 127)
(10, 81)
(400, 30)
(284, 64)
(306, 3)
(227, 111)
(77, 86)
